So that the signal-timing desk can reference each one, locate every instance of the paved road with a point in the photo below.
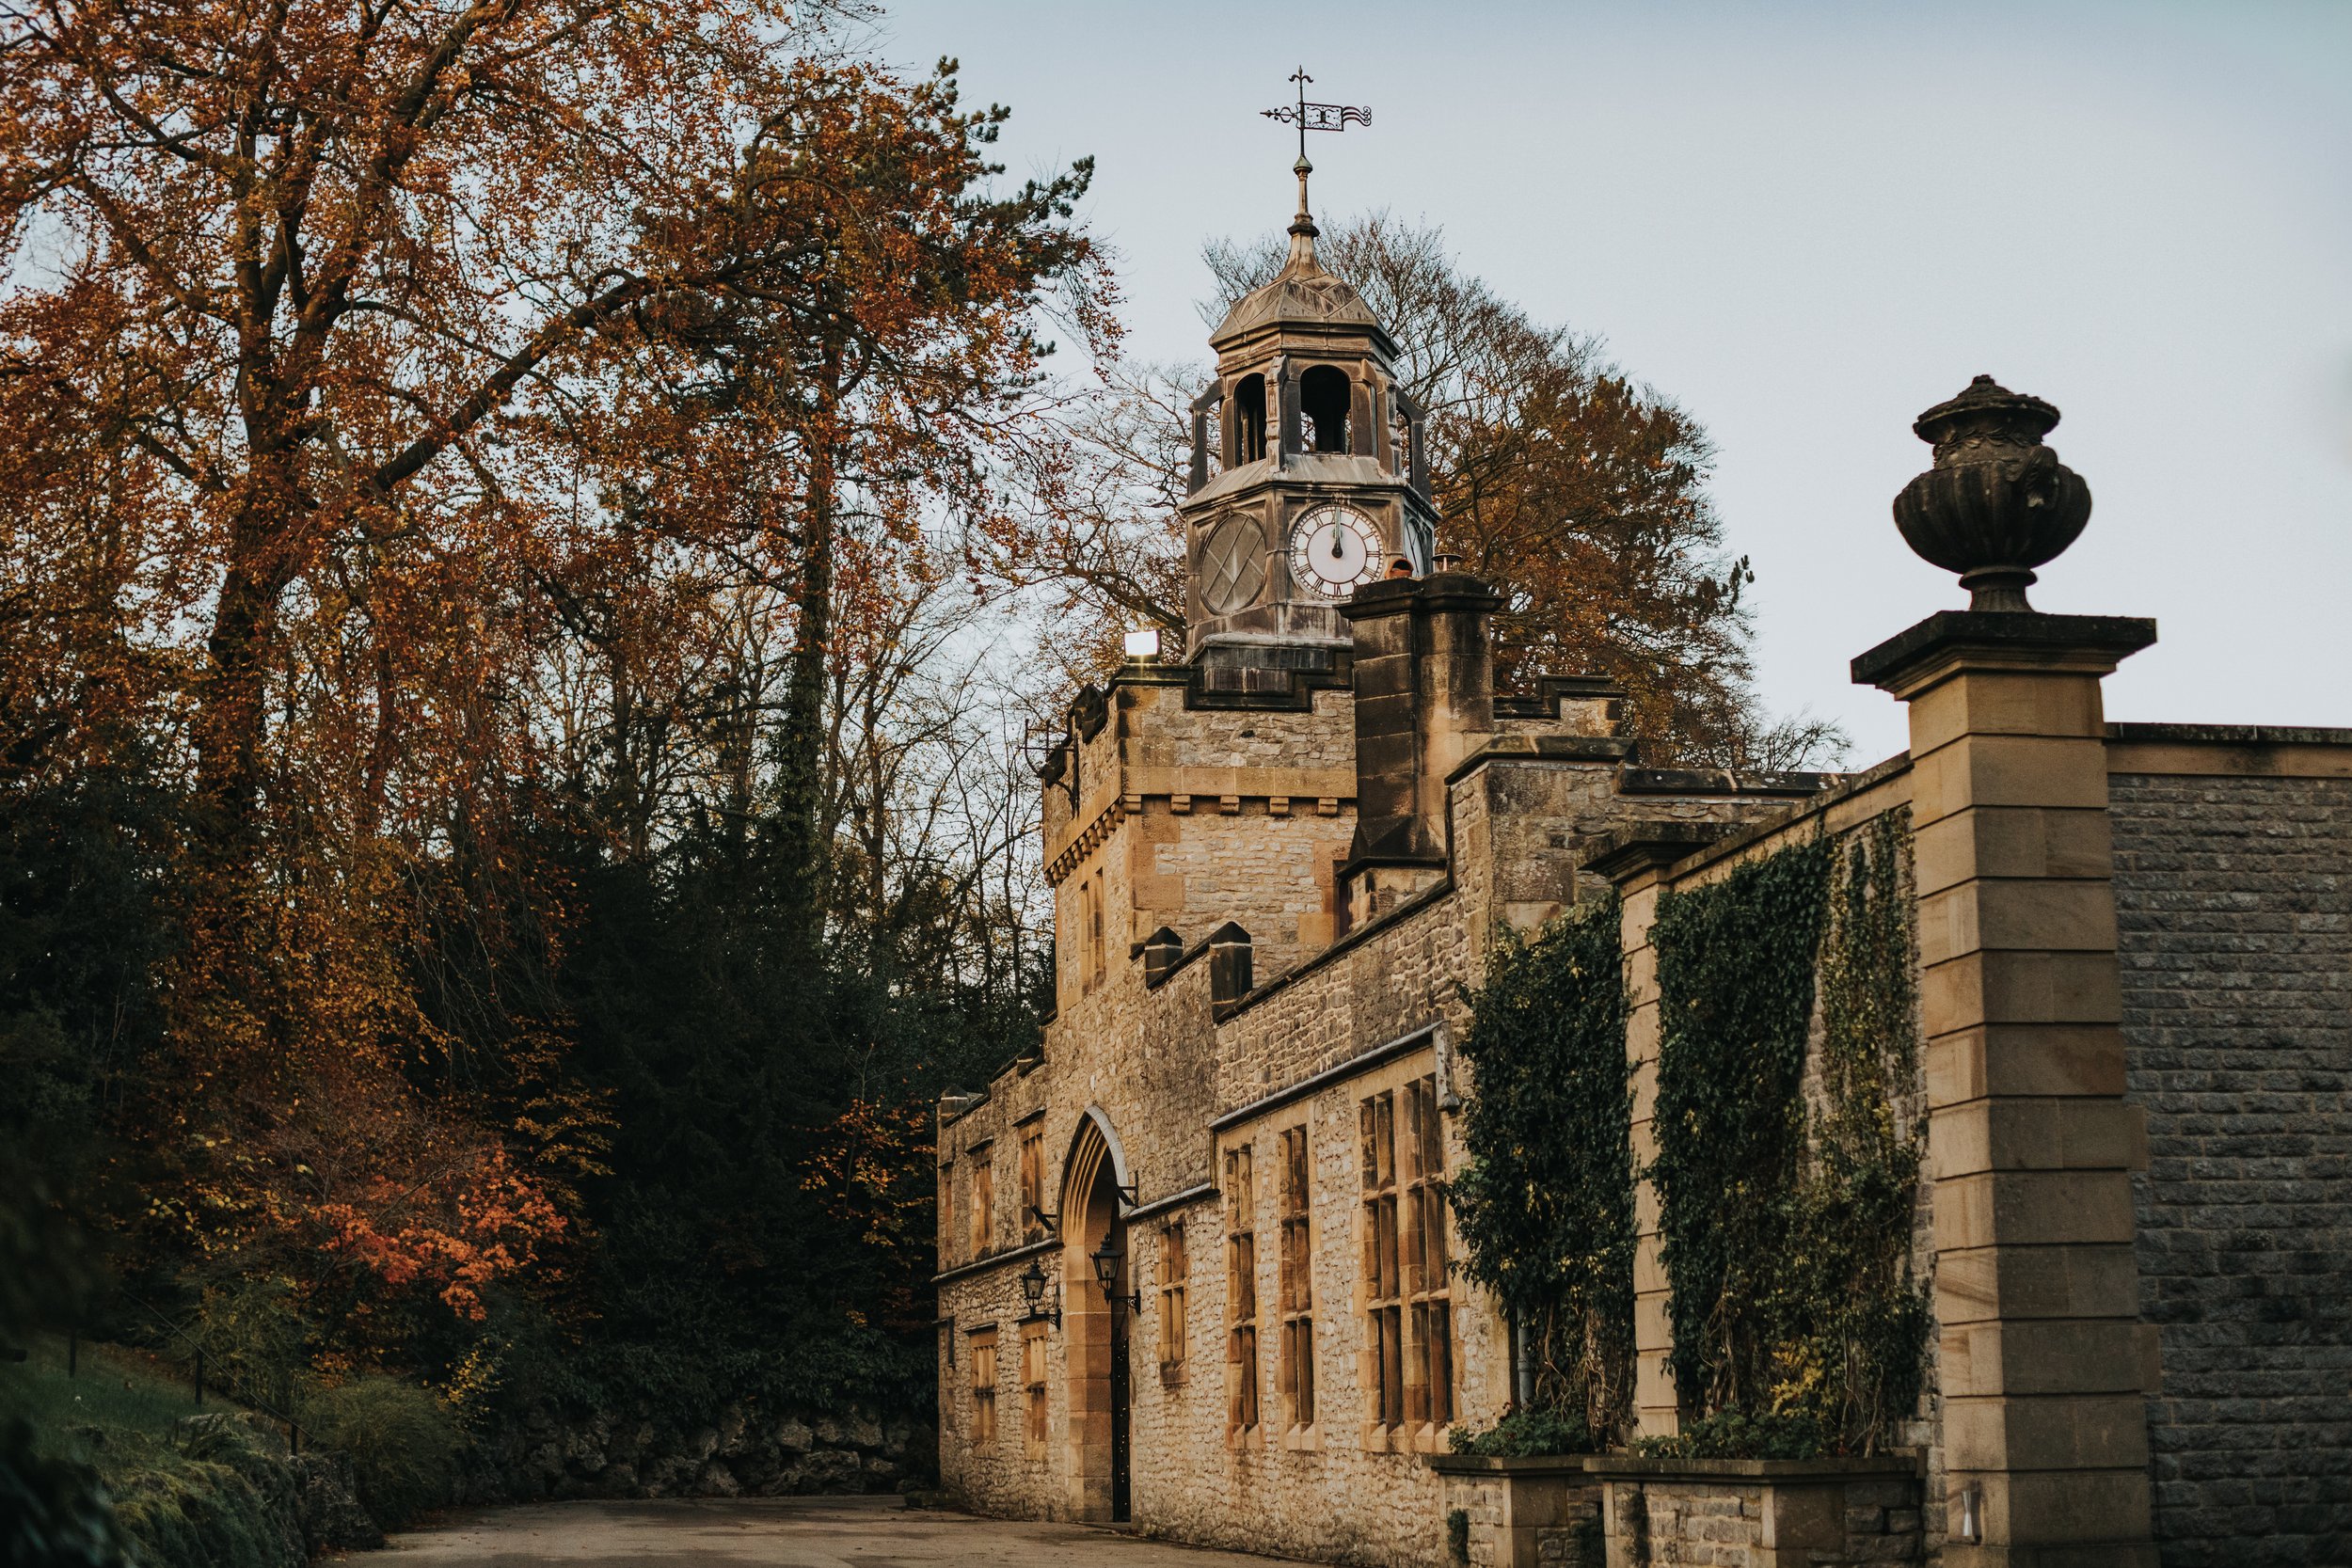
(786, 1532)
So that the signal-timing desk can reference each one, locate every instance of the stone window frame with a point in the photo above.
(1402, 1080)
(1175, 1282)
(1036, 1414)
(982, 1219)
(983, 1359)
(1295, 1377)
(1097, 939)
(1244, 1417)
(1380, 1277)
(1431, 1375)
(951, 1235)
(1032, 1176)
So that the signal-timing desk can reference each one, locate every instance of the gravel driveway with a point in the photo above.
(786, 1532)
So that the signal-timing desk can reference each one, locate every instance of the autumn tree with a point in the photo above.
(327, 318)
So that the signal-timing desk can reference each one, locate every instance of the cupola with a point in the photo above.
(1308, 477)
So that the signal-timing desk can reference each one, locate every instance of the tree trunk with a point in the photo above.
(800, 773)
(234, 691)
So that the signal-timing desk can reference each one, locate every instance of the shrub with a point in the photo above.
(402, 1440)
(1528, 1435)
(1736, 1435)
(228, 1512)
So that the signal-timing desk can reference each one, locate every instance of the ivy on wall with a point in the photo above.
(1854, 1319)
(1735, 962)
(1545, 1203)
(1787, 1235)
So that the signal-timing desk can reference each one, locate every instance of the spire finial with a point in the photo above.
(1311, 117)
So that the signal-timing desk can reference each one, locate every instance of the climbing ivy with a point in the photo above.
(1854, 1321)
(1787, 1234)
(1735, 976)
(1546, 1202)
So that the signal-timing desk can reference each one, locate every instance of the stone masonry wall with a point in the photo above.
(1233, 819)
(1493, 1508)
(1337, 1490)
(741, 1450)
(2234, 897)
(1736, 1522)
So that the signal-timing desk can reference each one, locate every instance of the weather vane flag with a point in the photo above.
(1313, 116)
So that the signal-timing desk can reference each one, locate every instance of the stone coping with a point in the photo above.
(2030, 633)
(1626, 1466)
(1435, 894)
(1520, 1465)
(997, 1260)
(2227, 735)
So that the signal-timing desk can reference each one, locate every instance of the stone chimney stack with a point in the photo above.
(1425, 700)
(1230, 966)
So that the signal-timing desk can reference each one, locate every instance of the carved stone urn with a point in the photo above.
(1997, 503)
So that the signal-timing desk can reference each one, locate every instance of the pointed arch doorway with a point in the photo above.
(1095, 1325)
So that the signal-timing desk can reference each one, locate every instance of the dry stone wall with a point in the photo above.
(2234, 897)
(743, 1450)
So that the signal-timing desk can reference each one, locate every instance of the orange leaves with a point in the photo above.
(483, 1224)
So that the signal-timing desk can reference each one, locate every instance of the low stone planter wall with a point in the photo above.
(1759, 1512)
(1522, 1513)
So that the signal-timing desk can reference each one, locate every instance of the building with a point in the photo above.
(1194, 1252)
(1273, 860)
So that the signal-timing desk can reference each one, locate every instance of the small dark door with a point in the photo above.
(1120, 1508)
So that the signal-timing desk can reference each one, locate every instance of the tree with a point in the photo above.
(328, 319)
(847, 386)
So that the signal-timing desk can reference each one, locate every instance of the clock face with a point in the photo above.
(1334, 551)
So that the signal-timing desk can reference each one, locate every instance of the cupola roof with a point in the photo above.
(1302, 293)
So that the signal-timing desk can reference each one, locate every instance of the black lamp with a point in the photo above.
(1033, 1287)
(1106, 1275)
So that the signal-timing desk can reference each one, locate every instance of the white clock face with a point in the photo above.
(1334, 551)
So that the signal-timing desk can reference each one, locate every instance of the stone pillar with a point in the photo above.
(1388, 732)
(1636, 859)
(1423, 677)
(2030, 1143)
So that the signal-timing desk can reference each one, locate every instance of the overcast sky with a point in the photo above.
(1806, 222)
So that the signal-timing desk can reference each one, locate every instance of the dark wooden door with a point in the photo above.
(1120, 1508)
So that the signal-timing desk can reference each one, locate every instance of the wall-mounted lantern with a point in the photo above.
(1106, 1275)
(1033, 1287)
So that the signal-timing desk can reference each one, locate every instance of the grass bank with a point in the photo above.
(216, 1492)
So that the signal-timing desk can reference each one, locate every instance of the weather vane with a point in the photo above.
(1313, 116)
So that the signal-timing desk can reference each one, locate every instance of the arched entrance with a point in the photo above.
(1095, 1328)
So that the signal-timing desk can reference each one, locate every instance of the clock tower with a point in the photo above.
(1308, 473)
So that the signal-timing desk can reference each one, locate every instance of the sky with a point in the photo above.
(1806, 222)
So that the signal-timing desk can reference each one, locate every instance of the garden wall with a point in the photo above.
(2233, 899)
